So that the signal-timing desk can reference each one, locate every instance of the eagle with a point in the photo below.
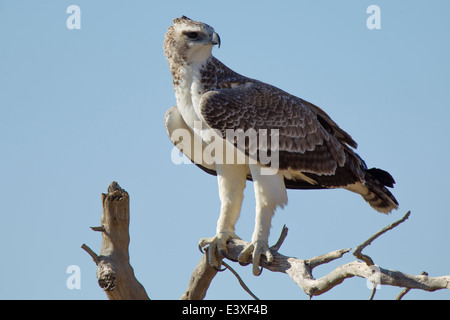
(309, 150)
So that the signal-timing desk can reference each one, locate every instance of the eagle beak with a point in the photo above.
(215, 39)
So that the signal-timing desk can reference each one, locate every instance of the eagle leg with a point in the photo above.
(217, 246)
(256, 249)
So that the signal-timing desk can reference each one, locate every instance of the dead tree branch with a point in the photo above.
(114, 272)
(200, 281)
(358, 250)
(116, 276)
(301, 271)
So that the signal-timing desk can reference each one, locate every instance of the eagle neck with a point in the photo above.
(189, 88)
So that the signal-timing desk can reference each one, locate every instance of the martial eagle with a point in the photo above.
(312, 151)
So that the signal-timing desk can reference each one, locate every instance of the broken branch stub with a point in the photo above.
(114, 273)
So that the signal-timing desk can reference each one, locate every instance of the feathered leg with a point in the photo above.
(270, 193)
(231, 180)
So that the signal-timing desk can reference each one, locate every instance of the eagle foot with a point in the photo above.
(217, 246)
(255, 250)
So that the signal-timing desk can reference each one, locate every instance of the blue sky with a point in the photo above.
(81, 108)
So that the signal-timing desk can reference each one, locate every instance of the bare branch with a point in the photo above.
(283, 235)
(91, 253)
(325, 258)
(358, 250)
(406, 290)
(99, 229)
(241, 282)
(301, 271)
(374, 290)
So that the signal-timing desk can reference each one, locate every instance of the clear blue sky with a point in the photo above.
(81, 108)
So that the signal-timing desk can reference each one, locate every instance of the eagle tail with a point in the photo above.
(376, 193)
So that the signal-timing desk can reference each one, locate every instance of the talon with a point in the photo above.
(260, 271)
(225, 254)
(256, 250)
(256, 258)
(218, 269)
(217, 246)
(246, 253)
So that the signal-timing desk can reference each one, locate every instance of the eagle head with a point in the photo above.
(188, 41)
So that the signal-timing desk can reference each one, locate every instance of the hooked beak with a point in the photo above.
(215, 39)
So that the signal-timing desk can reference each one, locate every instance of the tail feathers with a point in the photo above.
(377, 195)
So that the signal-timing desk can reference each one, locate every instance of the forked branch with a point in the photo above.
(301, 271)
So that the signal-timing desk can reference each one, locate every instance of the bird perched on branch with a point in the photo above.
(242, 129)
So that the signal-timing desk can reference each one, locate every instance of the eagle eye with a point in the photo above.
(191, 35)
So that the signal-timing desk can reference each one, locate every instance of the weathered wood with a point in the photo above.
(200, 280)
(114, 273)
(116, 276)
(301, 271)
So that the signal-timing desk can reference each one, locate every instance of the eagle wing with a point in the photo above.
(174, 121)
(309, 143)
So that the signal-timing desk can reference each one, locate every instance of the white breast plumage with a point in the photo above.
(188, 94)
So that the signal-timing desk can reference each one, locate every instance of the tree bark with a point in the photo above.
(200, 280)
(114, 273)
